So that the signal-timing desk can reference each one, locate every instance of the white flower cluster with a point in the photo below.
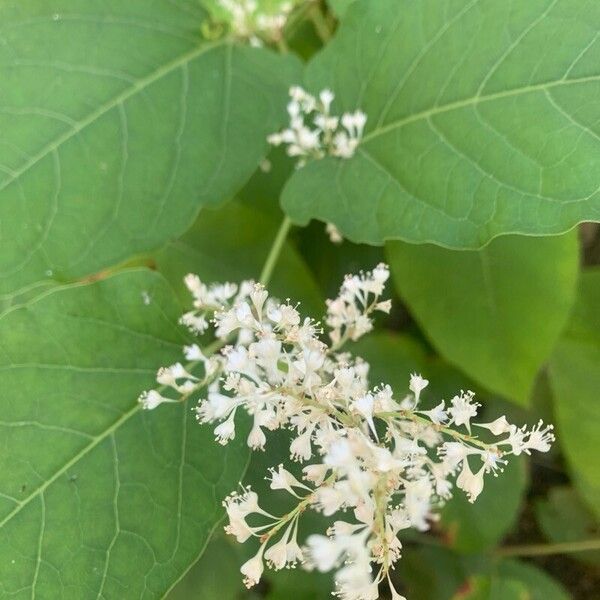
(374, 462)
(249, 22)
(314, 132)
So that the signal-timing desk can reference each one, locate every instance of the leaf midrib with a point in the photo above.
(137, 87)
(477, 99)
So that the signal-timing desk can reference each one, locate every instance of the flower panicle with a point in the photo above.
(314, 132)
(386, 462)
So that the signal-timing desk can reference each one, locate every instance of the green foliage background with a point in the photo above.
(133, 150)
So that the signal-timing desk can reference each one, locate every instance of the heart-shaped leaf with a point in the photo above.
(118, 123)
(575, 380)
(496, 312)
(97, 499)
(474, 129)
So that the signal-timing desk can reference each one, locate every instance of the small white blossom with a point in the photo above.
(282, 479)
(463, 409)
(438, 414)
(252, 569)
(151, 399)
(471, 484)
(416, 385)
(497, 427)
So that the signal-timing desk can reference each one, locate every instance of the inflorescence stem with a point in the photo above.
(269, 266)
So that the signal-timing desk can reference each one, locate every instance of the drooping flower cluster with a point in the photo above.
(249, 20)
(314, 132)
(376, 462)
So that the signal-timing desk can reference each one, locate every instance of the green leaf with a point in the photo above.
(495, 313)
(540, 586)
(478, 576)
(97, 498)
(392, 358)
(479, 526)
(118, 123)
(575, 379)
(493, 588)
(243, 236)
(430, 573)
(563, 518)
(216, 576)
(474, 128)
(339, 7)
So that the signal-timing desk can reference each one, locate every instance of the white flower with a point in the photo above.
(194, 322)
(329, 499)
(516, 439)
(463, 409)
(437, 414)
(256, 438)
(417, 385)
(282, 479)
(540, 438)
(252, 569)
(354, 582)
(497, 427)
(326, 97)
(225, 432)
(300, 447)
(169, 376)
(315, 473)
(384, 306)
(471, 484)
(454, 453)
(323, 553)
(151, 399)
(364, 406)
(193, 352)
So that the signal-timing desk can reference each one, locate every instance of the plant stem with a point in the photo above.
(406, 414)
(544, 549)
(275, 251)
(320, 23)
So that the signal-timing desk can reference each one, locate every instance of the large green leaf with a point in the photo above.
(216, 576)
(497, 312)
(392, 358)
(339, 7)
(540, 586)
(474, 127)
(118, 123)
(97, 499)
(492, 588)
(575, 379)
(563, 518)
(482, 525)
(436, 573)
(429, 572)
